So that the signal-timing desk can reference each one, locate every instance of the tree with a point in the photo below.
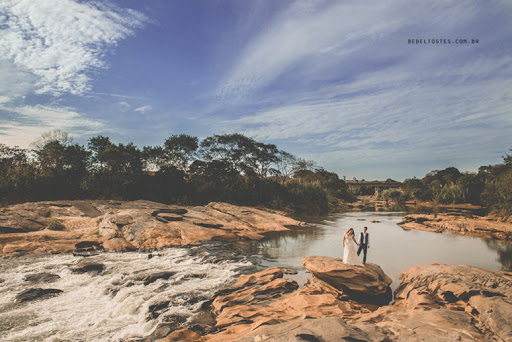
(497, 194)
(117, 169)
(471, 186)
(10, 159)
(507, 159)
(285, 165)
(64, 138)
(179, 150)
(17, 175)
(446, 177)
(248, 157)
(98, 145)
(303, 165)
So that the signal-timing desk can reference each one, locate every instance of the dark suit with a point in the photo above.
(364, 242)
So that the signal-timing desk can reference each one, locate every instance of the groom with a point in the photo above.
(364, 243)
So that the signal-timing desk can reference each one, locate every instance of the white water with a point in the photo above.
(113, 305)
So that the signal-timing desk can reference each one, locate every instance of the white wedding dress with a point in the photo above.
(349, 253)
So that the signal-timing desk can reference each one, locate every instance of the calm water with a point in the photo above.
(393, 248)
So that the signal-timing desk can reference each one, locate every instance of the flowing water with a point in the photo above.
(119, 304)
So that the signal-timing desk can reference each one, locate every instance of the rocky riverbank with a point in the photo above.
(433, 303)
(85, 227)
(487, 227)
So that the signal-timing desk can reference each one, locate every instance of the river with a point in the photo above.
(118, 305)
(392, 247)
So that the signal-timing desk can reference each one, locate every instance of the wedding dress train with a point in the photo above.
(350, 255)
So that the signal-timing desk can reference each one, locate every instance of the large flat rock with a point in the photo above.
(473, 225)
(129, 225)
(366, 283)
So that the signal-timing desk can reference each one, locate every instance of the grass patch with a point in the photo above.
(56, 225)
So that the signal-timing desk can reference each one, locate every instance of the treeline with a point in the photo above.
(491, 187)
(231, 168)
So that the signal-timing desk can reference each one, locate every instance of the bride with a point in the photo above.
(349, 251)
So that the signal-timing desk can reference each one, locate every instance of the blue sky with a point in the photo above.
(332, 81)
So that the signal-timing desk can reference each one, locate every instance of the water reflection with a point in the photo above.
(393, 248)
(504, 251)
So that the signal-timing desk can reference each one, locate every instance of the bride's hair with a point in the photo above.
(351, 229)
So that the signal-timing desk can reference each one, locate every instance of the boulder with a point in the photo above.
(42, 277)
(37, 293)
(107, 228)
(122, 220)
(148, 279)
(168, 217)
(367, 283)
(86, 267)
(86, 246)
(176, 211)
(118, 245)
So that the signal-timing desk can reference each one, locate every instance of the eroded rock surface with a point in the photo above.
(92, 226)
(267, 299)
(433, 303)
(459, 224)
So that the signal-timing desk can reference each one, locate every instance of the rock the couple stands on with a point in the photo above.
(350, 256)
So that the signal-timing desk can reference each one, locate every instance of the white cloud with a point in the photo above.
(60, 41)
(27, 123)
(143, 109)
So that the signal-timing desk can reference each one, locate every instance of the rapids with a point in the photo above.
(119, 303)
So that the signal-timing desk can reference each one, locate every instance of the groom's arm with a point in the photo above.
(368, 241)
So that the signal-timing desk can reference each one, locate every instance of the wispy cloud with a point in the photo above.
(25, 124)
(61, 42)
(143, 109)
(339, 83)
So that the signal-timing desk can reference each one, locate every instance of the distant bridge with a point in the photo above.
(354, 185)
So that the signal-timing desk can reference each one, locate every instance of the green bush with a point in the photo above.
(56, 225)
(306, 198)
(451, 195)
(497, 195)
(396, 196)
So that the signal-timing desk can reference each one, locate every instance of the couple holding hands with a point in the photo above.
(350, 256)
